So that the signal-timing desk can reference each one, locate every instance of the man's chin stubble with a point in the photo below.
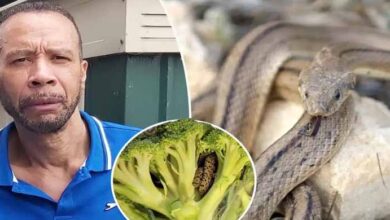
(45, 124)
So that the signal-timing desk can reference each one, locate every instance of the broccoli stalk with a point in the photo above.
(182, 155)
(130, 209)
(239, 197)
(233, 159)
(133, 172)
(158, 172)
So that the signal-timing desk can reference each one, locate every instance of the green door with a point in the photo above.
(137, 89)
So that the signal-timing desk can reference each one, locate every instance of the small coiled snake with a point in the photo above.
(205, 173)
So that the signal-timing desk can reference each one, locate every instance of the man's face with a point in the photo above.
(41, 72)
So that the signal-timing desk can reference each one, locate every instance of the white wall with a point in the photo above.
(102, 24)
(147, 28)
(116, 26)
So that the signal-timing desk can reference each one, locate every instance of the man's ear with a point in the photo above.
(84, 69)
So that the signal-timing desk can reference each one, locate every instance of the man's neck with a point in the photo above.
(49, 155)
(59, 149)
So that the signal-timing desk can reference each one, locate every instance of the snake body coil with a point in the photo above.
(249, 73)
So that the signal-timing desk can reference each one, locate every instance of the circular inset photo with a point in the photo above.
(183, 169)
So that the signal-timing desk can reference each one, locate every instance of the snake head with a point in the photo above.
(324, 86)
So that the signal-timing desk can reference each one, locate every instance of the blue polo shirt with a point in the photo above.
(88, 196)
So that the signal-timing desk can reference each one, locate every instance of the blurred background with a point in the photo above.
(206, 30)
(354, 184)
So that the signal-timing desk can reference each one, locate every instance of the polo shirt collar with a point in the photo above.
(7, 177)
(98, 160)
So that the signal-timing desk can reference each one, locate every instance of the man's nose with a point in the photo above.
(41, 74)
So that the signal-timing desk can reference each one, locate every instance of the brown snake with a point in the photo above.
(250, 68)
(248, 75)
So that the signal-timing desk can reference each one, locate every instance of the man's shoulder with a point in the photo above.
(111, 129)
(114, 127)
(118, 135)
(5, 130)
(113, 135)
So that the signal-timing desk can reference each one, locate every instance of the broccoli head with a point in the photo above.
(183, 170)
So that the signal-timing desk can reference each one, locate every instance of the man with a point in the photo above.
(55, 161)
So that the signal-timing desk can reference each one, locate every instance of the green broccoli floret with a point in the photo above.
(157, 172)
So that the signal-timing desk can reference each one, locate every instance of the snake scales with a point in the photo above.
(247, 78)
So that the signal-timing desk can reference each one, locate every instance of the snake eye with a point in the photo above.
(306, 94)
(337, 95)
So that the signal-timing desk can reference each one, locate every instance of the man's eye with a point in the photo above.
(60, 58)
(20, 60)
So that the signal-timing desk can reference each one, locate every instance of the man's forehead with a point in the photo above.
(27, 27)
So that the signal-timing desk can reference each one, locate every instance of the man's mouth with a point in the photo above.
(41, 103)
